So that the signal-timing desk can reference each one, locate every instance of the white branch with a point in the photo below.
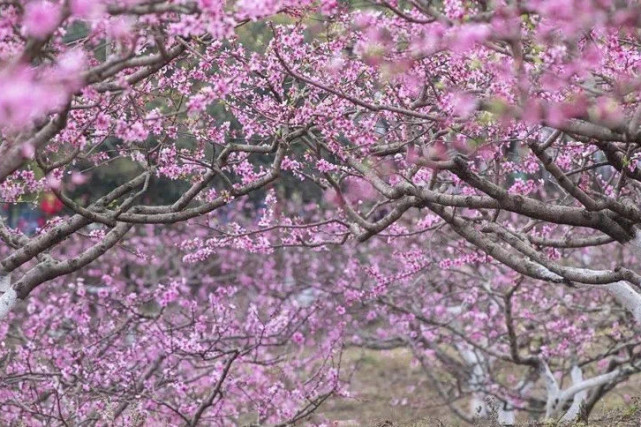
(506, 416)
(553, 391)
(551, 385)
(556, 399)
(577, 378)
(627, 297)
(7, 302)
(5, 282)
(478, 407)
(588, 384)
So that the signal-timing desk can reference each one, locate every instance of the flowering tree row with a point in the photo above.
(145, 337)
(156, 334)
(508, 129)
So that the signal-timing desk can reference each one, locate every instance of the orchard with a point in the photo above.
(231, 196)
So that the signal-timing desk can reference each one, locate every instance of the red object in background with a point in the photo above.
(50, 204)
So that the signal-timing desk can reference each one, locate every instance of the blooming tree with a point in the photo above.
(149, 338)
(513, 126)
(480, 332)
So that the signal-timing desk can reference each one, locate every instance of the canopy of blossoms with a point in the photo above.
(237, 190)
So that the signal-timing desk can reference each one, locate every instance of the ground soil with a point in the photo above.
(388, 390)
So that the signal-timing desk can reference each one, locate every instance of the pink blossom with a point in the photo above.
(298, 338)
(87, 9)
(53, 182)
(466, 37)
(464, 104)
(41, 18)
(28, 150)
(102, 122)
(78, 178)
(608, 112)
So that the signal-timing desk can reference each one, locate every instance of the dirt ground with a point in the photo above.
(389, 391)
